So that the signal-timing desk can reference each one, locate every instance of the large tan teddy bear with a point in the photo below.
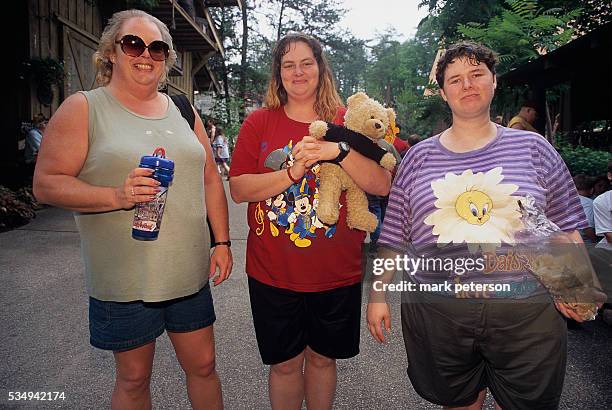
(365, 122)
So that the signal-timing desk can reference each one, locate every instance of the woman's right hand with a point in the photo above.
(379, 320)
(138, 187)
(307, 151)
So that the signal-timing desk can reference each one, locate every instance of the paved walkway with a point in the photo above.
(44, 343)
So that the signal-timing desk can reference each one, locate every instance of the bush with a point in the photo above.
(16, 207)
(582, 160)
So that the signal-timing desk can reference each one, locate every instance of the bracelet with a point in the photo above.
(295, 181)
(228, 243)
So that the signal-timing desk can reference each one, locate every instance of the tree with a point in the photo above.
(448, 14)
(593, 13)
(523, 32)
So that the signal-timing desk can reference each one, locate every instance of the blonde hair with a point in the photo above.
(327, 102)
(101, 58)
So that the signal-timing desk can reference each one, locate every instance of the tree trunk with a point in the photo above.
(226, 95)
(280, 20)
(243, 62)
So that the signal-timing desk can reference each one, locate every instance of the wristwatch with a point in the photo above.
(228, 243)
(344, 148)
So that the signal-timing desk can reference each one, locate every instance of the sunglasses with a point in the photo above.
(134, 46)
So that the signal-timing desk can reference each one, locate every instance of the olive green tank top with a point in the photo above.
(117, 267)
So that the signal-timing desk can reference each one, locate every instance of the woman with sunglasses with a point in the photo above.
(87, 164)
(304, 276)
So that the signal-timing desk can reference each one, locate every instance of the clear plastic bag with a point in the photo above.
(560, 264)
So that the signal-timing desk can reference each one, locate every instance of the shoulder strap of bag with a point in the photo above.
(184, 106)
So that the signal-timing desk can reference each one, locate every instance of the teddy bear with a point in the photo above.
(365, 122)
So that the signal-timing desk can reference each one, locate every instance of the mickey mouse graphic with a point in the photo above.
(301, 218)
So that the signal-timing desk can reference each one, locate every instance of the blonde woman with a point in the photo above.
(87, 163)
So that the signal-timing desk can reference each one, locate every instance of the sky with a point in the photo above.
(366, 17)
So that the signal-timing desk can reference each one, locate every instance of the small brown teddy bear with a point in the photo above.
(365, 122)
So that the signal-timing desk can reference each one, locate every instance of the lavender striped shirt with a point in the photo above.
(526, 160)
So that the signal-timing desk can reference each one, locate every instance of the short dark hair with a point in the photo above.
(583, 182)
(413, 139)
(530, 104)
(474, 52)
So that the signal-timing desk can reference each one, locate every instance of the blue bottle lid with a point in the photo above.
(151, 161)
(164, 168)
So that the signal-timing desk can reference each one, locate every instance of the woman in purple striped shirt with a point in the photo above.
(462, 187)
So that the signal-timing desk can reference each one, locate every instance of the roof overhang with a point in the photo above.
(224, 3)
(186, 34)
(577, 58)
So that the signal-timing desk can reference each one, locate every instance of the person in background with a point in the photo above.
(34, 138)
(584, 186)
(304, 276)
(601, 184)
(222, 156)
(88, 164)
(211, 129)
(602, 209)
(413, 139)
(499, 119)
(526, 118)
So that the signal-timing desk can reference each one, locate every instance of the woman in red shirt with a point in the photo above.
(304, 276)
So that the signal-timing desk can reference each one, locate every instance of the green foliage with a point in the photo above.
(582, 160)
(221, 106)
(448, 14)
(398, 75)
(522, 32)
(47, 70)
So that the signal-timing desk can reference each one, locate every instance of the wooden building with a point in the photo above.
(55, 32)
(580, 67)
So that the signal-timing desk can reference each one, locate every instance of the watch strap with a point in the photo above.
(341, 155)
(228, 243)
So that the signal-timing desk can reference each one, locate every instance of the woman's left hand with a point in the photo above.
(221, 258)
(313, 150)
(568, 312)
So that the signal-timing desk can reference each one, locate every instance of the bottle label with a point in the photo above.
(148, 216)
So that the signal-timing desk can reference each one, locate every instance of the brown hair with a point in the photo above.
(583, 183)
(328, 101)
(474, 52)
(104, 67)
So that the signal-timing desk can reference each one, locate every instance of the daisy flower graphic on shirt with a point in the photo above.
(475, 209)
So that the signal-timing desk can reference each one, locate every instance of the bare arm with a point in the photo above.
(62, 154)
(378, 314)
(221, 260)
(216, 202)
(367, 174)
(259, 187)
(590, 234)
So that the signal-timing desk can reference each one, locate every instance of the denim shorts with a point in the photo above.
(120, 326)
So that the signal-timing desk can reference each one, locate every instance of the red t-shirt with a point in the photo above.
(288, 247)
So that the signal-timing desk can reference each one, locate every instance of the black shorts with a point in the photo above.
(458, 348)
(287, 321)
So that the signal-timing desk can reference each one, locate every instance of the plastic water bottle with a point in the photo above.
(148, 215)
